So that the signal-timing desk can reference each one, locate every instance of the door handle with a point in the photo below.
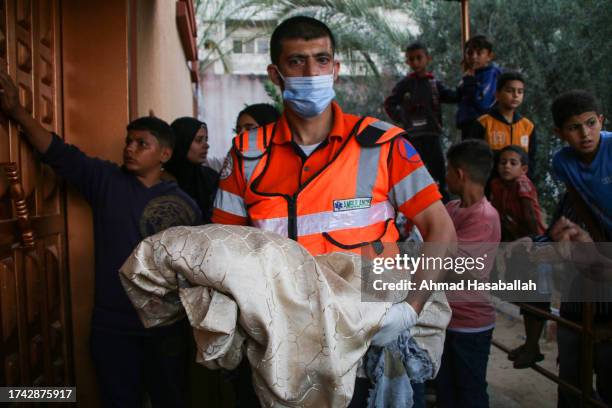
(19, 203)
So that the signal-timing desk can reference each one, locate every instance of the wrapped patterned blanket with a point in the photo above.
(298, 319)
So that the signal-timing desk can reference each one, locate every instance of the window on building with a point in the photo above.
(237, 46)
(249, 47)
(262, 46)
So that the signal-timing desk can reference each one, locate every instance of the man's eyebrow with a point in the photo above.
(304, 55)
(297, 55)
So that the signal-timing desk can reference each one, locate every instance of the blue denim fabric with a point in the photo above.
(362, 391)
(393, 368)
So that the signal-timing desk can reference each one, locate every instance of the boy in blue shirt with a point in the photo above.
(129, 203)
(477, 89)
(585, 166)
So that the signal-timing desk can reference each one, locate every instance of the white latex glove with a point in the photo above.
(399, 318)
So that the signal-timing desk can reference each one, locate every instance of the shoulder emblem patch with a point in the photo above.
(228, 167)
(408, 152)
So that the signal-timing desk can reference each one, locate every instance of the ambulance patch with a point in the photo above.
(228, 166)
(352, 204)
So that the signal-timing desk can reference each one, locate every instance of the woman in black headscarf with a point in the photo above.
(185, 164)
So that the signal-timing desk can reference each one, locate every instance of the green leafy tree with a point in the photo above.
(274, 94)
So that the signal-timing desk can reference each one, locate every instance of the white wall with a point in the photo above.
(221, 99)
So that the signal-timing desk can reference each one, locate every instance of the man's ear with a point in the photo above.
(525, 168)
(336, 69)
(274, 75)
(557, 131)
(429, 58)
(166, 154)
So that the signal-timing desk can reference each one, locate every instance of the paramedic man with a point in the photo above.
(309, 178)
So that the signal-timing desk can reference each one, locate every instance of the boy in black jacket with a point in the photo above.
(415, 104)
(129, 203)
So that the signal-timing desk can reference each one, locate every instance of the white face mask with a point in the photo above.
(308, 96)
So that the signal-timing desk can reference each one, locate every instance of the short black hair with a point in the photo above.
(415, 46)
(572, 103)
(299, 27)
(157, 127)
(263, 113)
(507, 77)
(473, 156)
(518, 150)
(479, 42)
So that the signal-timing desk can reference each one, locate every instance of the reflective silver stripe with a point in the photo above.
(329, 221)
(381, 125)
(409, 186)
(253, 141)
(249, 168)
(229, 202)
(368, 170)
(253, 151)
(278, 225)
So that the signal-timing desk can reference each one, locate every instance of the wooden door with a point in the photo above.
(34, 298)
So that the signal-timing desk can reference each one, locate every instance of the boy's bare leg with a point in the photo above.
(529, 352)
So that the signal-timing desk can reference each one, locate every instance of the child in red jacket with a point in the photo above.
(516, 199)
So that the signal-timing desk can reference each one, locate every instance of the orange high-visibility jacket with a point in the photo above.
(352, 200)
(498, 133)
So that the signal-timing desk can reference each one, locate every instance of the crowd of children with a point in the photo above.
(488, 103)
(489, 172)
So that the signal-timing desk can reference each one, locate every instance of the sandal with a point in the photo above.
(526, 360)
(514, 353)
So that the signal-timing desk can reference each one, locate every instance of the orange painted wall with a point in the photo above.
(95, 96)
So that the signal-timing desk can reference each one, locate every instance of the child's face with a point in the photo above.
(453, 179)
(509, 166)
(478, 58)
(418, 60)
(582, 133)
(199, 147)
(511, 95)
(245, 122)
(143, 154)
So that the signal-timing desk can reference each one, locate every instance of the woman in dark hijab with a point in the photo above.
(256, 115)
(185, 164)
